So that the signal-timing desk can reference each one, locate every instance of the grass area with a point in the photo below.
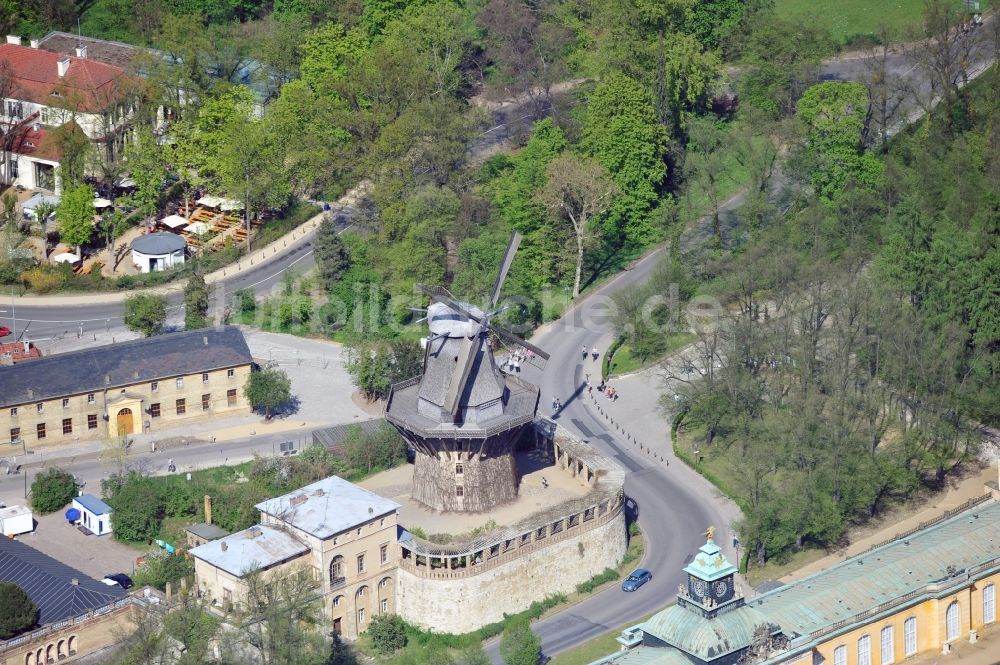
(852, 21)
(598, 647)
(774, 570)
(624, 362)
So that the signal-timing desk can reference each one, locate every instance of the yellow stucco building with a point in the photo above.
(920, 594)
(126, 388)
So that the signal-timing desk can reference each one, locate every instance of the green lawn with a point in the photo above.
(598, 647)
(623, 362)
(848, 20)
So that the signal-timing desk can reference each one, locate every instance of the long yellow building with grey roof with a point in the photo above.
(919, 594)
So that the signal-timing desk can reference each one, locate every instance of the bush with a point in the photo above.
(44, 279)
(387, 633)
(607, 575)
(17, 612)
(52, 489)
(159, 567)
(518, 645)
(137, 506)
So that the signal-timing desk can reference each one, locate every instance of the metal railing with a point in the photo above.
(948, 514)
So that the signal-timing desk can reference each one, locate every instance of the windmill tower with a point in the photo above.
(463, 415)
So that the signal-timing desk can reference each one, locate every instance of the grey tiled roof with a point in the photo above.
(207, 531)
(258, 547)
(49, 583)
(123, 364)
(158, 243)
(485, 381)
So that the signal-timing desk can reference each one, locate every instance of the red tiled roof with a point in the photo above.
(36, 143)
(17, 352)
(88, 85)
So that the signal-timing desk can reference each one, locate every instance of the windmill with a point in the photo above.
(462, 414)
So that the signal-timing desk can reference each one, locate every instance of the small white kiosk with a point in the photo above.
(16, 520)
(158, 251)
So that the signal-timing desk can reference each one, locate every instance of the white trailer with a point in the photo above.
(16, 520)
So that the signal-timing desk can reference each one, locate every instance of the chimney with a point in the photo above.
(31, 392)
(27, 346)
(62, 66)
(75, 582)
(81, 51)
(204, 339)
(208, 509)
(224, 546)
(135, 374)
(319, 492)
(254, 531)
(107, 378)
(34, 43)
(14, 39)
(297, 500)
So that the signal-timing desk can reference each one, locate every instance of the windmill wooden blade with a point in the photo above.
(460, 376)
(508, 259)
(537, 359)
(437, 294)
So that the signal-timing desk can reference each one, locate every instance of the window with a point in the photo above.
(14, 171)
(337, 601)
(361, 592)
(90, 398)
(230, 373)
(337, 570)
(67, 425)
(154, 386)
(359, 531)
(15, 109)
(384, 605)
(361, 616)
(989, 603)
(888, 651)
(459, 490)
(40, 430)
(864, 650)
(13, 412)
(951, 621)
(383, 582)
(49, 117)
(383, 553)
(65, 402)
(227, 595)
(231, 397)
(179, 381)
(458, 470)
(15, 434)
(181, 408)
(206, 401)
(840, 655)
(92, 421)
(361, 563)
(204, 377)
(40, 407)
(154, 410)
(910, 636)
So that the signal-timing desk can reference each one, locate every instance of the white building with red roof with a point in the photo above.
(42, 91)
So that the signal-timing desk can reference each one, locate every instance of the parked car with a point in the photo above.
(119, 579)
(638, 577)
(4, 331)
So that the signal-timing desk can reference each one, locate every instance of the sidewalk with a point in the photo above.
(280, 246)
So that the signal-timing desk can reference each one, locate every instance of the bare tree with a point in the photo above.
(886, 90)
(578, 189)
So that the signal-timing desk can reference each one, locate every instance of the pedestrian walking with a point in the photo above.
(555, 403)
(584, 352)
(594, 352)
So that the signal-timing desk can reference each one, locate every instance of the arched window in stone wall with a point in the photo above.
(61, 649)
(73, 645)
(29, 658)
(337, 571)
(361, 593)
(951, 622)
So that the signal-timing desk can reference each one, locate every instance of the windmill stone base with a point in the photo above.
(485, 482)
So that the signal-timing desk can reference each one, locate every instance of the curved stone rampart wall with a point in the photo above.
(459, 601)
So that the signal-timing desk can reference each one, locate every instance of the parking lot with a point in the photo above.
(92, 555)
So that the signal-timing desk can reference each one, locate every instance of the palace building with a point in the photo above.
(120, 389)
(919, 594)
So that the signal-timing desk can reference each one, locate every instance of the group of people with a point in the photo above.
(556, 404)
(593, 352)
(512, 362)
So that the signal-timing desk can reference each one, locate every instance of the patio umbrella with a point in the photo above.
(37, 200)
(102, 203)
(231, 204)
(65, 257)
(198, 228)
(210, 201)
(174, 221)
(125, 182)
(72, 515)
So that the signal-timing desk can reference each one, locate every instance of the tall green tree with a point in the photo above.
(17, 611)
(196, 301)
(332, 258)
(148, 167)
(621, 130)
(75, 216)
(268, 389)
(52, 489)
(519, 645)
(145, 313)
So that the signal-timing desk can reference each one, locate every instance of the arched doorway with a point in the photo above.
(124, 421)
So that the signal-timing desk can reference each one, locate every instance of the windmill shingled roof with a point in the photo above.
(49, 583)
(159, 357)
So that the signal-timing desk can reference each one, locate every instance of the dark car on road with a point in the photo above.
(638, 577)
(121, 579)
(4, 331)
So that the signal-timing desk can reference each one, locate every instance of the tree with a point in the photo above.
(137, 506)
(194, 629)
(145, 313)
(73, 147)
(147, 164)
(112, 225)
(342, 654)
(195, 302)
(52, 489)
(580, 190)
(387, 633)
(374, 368)
(705, 164)
(268, 389)
(332, 258)
(519, 645)
(17, 611)
(75, 215)
(278, 618)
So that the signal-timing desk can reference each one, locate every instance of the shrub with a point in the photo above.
(43, 279)
(52, 489)
(17, 612)
(159, 567)
(607, 575)
(518, 645)
(387, 633)
(137, 506)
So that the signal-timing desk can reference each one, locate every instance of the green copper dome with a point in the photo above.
(709, 563)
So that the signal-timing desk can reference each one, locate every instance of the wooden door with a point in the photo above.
(336, 626)
(124, 422)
